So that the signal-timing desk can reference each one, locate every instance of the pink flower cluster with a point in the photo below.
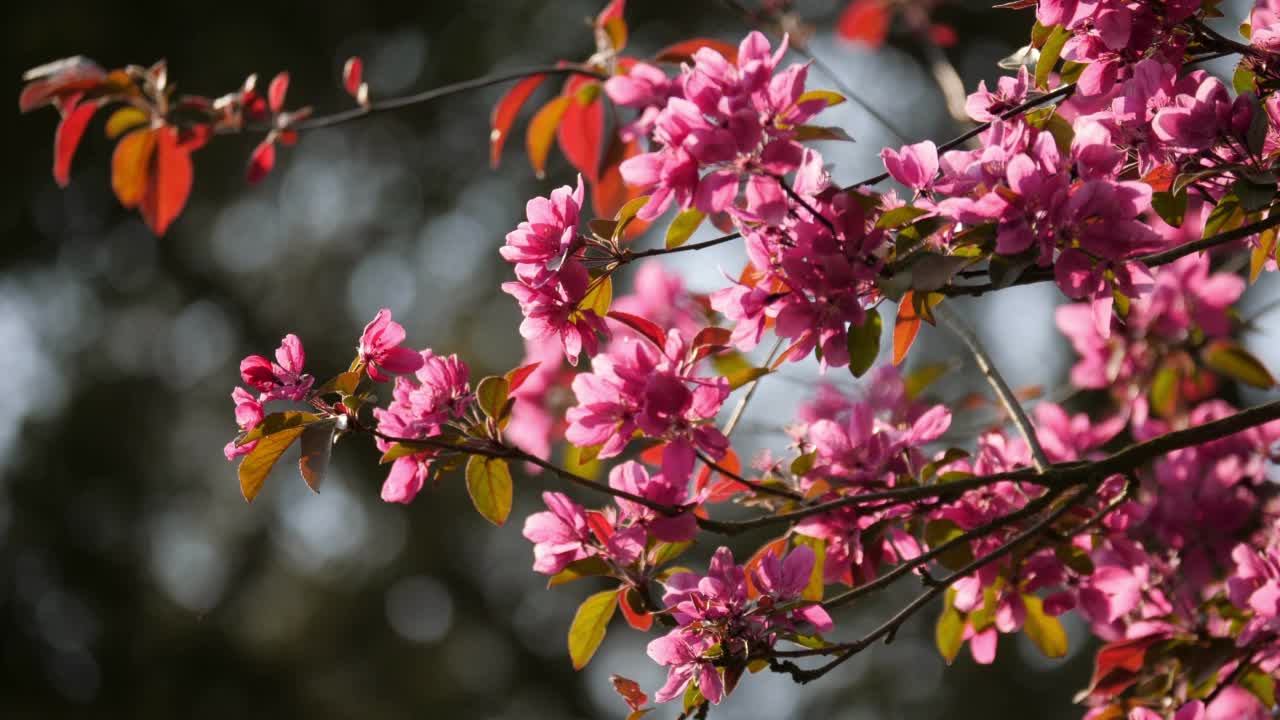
(279, 380)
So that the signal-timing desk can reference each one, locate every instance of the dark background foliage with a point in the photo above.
(134, 580)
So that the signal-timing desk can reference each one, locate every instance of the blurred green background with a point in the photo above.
(135, 581)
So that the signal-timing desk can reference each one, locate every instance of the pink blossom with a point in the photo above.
(542, 242)
(283, 379)
(560, 535)
(380, 348)
(551, 311)
(913, 166)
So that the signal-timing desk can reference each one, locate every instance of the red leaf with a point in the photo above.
(943, 35)
(56, 81)
(709, 340)
(169, 183)
(683, 51)
(641, 621)
(261, 161)
(647, 328)
(581, 131)
(599, 525)
(352, 76)
(724, 486)
(505, 112)
(276, 91)
(864, 21)
(516, 377)
(1161, 177)
(1118, 664)
(629, 690)
(612, 11)
(653, 455)
(542, 132)
(70, 130)
(905, 328)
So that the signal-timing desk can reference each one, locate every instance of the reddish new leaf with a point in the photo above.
(516, 378)
(169, 180)
(683, 52)
(276, 92)
(1118, 664)
(542, 132)
(581, 130)
(905, 327)
(865, 22)
(943, 35)
(353, 76)
(637, 619)
(630, 691)
(613, 11)
(599, 525)
(57, 81)
(261, 161)
(505, 112)
(646, 328)
(723, 487)
(74, 122)
(609, 193)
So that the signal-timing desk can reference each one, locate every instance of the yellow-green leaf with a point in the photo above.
(683, 227)
(124, 120)
(941, 531)
(1044, 630)
(589, 624)
(489, 485)
(578, 569)
(1226, 357)
(1049, 54)
(827, 96)
(491, 395)
(599, 297)
(276, 422)
(949, 632)
(257, 465)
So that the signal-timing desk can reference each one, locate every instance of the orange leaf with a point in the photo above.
(581, 130)
(70, 130)
(1161, 177)
(169, 182)
(612, 11)
(683, 51)
(864, 21)
(905, 328)
(505, 112)
(609, 193)
(542, 132)
(131, 165)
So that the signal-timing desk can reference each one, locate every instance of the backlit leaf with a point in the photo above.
(864, 343)
(682, 52)
(683, 227)
(1228, 358)
(168, 181)
(65, 140)
(826, 96)
(505, 113)
(353, 76)
(948, 635)
(636, 616)
(905, 328)
(865, 22)
(489, 485)
(317, 447)
(581, 128)
(257, 465)
(629, 690)
(578, 569)
(1044, 630)
(647, 328)
(261, 161)
(491, 395)
(941, 531)
(1050, 53)
(599, 297)
(130, 166)
(542, 132)
(589, 624)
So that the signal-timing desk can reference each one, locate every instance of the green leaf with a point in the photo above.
(1226, 357)
(278, 422)
(317, 447)
(1244, 80)
(1049, 54)
(1254, 196)
(578, 569)
(257, 465)
(692, 699)
(922, 377)
(627, 214)
(491, 395)
(683, 227)
(589, 624)
(489, 485)
(1164, 390)
(665, 552)
(1172, 207)
(864, 342)
(342, 384)
(1044, 630)
(931, 271)
(808, 133)
(941, 531)
(1262, 685)
(827, 96)
(803, 464)
(949, 633)
(1005, 270)
(899, 216)
(1226, 215)
(1074, 558)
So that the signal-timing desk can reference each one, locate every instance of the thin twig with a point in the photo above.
(997, 382)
